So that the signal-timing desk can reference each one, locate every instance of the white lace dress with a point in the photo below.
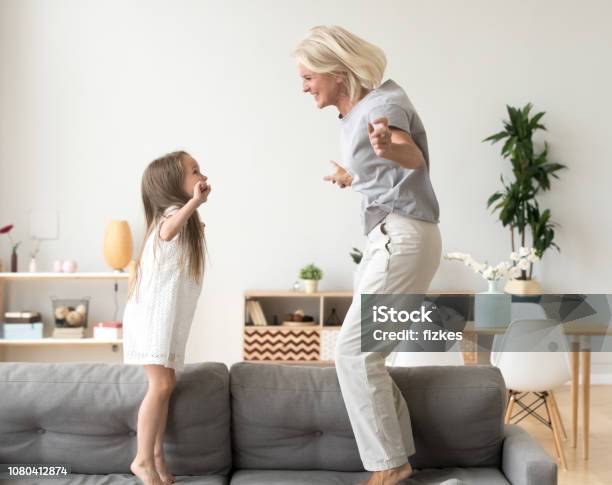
(158, 317)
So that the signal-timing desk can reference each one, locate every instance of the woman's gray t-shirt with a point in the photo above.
(386, 186)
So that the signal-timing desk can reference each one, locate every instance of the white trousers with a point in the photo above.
(401, 256)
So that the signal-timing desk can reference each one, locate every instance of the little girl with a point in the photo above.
(162, 297)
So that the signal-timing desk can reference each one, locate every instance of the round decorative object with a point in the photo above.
(57, 266)
(74, 318)
(69, 266)
(61, 312)
(118, 245)
(70, 312)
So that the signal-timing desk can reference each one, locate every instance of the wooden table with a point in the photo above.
(580, 334)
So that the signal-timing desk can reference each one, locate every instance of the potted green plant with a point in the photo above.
(517, 204)
(311, 275)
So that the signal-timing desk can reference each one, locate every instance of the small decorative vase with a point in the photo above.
(493, 286)
(310, 286)
(492, 307)
(14, 261)
(523, 287)
(118, 245)
(57, 266)
(32, 266)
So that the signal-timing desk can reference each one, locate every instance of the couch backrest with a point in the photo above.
(293, 417)
(85, 415)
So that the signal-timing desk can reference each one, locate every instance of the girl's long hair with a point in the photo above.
(161, 188)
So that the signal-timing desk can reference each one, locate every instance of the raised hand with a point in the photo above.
(340, 176)
(200, 192)
(380, 137)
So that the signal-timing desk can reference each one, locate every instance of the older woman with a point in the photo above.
(385, 158)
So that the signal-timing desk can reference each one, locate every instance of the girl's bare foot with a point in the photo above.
(392, 476)
(166, 477)
(146, 472)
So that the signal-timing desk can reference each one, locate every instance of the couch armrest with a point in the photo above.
(524, 461)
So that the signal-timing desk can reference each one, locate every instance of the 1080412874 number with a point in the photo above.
(16, 470)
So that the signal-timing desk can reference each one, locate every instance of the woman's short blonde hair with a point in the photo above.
(334, 50)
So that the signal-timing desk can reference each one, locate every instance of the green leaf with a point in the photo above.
(494, 197)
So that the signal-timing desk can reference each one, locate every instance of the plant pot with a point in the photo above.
(310, 286)
(523, 287)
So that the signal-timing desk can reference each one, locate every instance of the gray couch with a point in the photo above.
(258, 424)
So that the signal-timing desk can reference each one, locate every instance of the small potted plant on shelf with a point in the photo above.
(517, 205)
(311, 275)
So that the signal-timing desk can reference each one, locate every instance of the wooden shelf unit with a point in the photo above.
(45, 276)
(307, 344)
(293, 344)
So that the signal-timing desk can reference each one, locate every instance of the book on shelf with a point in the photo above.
(69, 332)
(22, 317)
(256, 313)
(108, 324)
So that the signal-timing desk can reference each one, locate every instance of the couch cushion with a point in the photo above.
(448, 476)
(122, 479)
(294, 418)
(457, 414)
(85, 415)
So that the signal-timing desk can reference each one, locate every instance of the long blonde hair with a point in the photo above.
(334, 50)
(161, 187)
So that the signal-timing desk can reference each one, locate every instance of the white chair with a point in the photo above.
(518, 311)
(533, 359)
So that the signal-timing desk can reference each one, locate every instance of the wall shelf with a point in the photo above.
(63, 276)
(6, 278)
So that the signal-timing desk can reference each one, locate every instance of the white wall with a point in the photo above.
(90, 92)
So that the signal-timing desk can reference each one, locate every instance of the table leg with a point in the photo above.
(575, 380)
(586, 397)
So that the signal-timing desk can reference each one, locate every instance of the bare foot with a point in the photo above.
(146, 472)
(166, 477)
(392, 476)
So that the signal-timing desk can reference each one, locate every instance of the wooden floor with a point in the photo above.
(598, 469)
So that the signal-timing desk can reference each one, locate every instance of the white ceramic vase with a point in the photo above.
(492, 307)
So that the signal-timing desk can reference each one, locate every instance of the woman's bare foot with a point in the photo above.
(162, 470)
(392, 476)
(146, 472)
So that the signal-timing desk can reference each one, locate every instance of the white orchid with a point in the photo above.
(523, 264)
(533, 258)
(515, 272)
(522, 261)
(524, 252)
(488, 272)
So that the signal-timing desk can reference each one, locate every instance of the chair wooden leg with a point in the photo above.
(555, 408)
(555, 430)
(509, 408)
